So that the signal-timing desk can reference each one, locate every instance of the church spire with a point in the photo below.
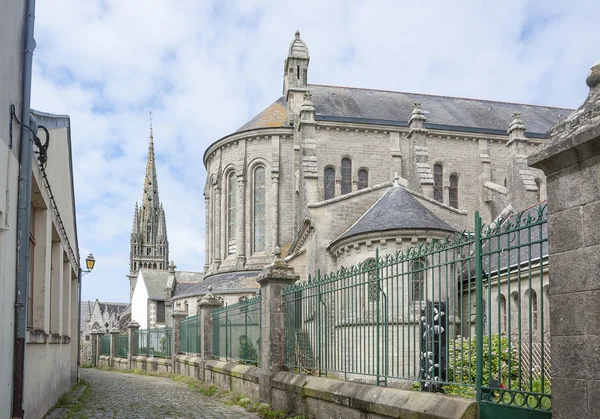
(149, 244)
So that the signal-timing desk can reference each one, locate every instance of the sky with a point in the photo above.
(204, 68)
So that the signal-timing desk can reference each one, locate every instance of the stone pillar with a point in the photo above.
(522, 190)
(178, 315)
(241, 222)
(571, 162)
(207, 250)
(114, 332)
(420, 174)
(218, 250)
(132, 327)
(275, 208)
(95, 346)
(273, 279)
(205, 307)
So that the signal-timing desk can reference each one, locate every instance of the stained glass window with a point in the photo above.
(453, 192)
(346, 176)
(329, 180)
(259, 209)
(231, 212)
(438, 183)
(418, 280)
(363, 179)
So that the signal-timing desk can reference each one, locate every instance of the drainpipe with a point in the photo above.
(79, 275)
(23, 215)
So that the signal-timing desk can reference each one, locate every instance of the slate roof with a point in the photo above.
(370, 106)
(275, 116)
(397, 209)
(155, 280)
(222, 283)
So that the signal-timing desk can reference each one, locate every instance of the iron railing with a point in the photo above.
(153, 342)
(105, 345)
(467, 315)
(189, 335)
(122, 346)
(236, 332)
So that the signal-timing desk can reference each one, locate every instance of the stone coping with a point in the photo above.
(385, 401)
(158, 361)
(193, 360)
(245, 372)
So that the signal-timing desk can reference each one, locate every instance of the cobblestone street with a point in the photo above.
(129, 396)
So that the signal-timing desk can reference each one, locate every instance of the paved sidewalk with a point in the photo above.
(131, 396)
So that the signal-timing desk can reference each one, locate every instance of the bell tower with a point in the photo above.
(149, 244)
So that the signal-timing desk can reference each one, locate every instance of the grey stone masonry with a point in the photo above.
(95, 346)
(114, 332)
(571, 162)
(205, 307)
(273, 279)
(132, 327)
(178, 315)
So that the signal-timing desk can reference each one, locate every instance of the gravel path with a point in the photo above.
(131, 396)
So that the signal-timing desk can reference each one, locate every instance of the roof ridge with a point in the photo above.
(445, 96)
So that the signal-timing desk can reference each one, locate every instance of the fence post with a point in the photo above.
(95, 346)
(478, 309)
(205, 307)
(132, 327)
(177, 315)
(273, 279)
(114, 332)
(570, 160)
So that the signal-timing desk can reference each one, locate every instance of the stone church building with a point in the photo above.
(328, 174)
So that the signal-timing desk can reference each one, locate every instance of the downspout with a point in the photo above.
(23, 215)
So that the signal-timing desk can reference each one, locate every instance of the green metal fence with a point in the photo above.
(467, 314)
(189, 335)
(153, 342)
(105, 345)
(236, 332)
(122, 346)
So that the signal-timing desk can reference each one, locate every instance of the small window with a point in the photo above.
(438, 183)
(346, 176)
(453, 191)
(363, 179)
(418, 280)
(329, 180)
(160, 311)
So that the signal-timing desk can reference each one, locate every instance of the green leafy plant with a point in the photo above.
(247, 351)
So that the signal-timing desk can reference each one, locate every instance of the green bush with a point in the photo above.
(247, 352)
(462, 361)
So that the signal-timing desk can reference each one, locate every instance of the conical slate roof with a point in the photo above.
(275, 116)
(397, 209)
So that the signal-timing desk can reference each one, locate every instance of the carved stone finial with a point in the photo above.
(210, 288)
(307, 97)
(517, 125)
(416, 105)
(297, 34)
(396, 179)
(593, 77)
(277, 253)
(172, 267)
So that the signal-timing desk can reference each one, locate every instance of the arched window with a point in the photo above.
(148, 233)
(418, 280)
(533, 306)
(231, 212)
(538, 183)
(346, 175)
(453, 191)
(329, 183)
(438, 183)
(363, 179)
(259, 209)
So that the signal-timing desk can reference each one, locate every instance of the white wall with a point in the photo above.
(139, 302)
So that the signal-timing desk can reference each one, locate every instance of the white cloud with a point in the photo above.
(205, 68)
